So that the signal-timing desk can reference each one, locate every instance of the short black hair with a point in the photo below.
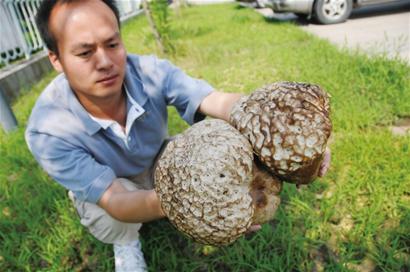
(43, 19)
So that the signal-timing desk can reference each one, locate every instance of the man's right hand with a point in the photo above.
(131, 206)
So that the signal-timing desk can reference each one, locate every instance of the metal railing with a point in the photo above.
(19, 36)
(129, 8)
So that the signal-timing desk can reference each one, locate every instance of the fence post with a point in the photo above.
(7, 118)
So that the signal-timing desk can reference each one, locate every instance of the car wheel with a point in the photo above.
(332, 11)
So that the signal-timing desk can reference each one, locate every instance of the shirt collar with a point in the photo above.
(134, 110)
(133, 83)
(104, 123)
(135, 92)
(90, 126)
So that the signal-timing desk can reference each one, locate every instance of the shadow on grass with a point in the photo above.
(276, 18)
(240, 7)
(286, 20)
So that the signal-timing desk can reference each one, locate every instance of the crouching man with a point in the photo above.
(98, 127)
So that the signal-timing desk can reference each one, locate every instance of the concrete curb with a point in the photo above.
(15, 78)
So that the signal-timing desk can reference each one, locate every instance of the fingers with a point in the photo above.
(254, 228)
(326, 163)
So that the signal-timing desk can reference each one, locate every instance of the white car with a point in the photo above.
(324, 11)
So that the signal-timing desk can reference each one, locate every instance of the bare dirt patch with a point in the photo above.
(401, 127)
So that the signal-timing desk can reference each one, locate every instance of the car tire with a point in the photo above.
(332, 11)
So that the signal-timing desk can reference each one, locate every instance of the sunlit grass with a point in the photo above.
(357, 215)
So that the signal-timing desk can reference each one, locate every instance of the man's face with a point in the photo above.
(91, 52)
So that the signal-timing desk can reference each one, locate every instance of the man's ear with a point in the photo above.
(55, 61)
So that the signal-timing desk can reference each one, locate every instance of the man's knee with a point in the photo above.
(102, 225)
(111, 231)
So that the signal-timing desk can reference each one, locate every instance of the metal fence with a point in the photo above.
(19, 36)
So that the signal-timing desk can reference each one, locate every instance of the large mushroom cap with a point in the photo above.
(288, 126)
(203, 179)
(264, 189)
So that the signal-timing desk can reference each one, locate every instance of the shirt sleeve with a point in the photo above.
(183, 92)
(71, 166)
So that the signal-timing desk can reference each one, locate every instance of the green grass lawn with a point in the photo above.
(357, 218)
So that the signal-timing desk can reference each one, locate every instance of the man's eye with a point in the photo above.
(84, 54)
(113, 45)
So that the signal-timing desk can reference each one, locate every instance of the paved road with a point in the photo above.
(382, 29)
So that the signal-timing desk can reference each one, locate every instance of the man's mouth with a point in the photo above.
(109, 80)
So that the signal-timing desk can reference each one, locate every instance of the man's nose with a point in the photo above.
(103, 60)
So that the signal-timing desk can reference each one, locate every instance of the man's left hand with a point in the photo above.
(325, 163)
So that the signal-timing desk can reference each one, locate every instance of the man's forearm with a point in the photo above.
(219, 104)
(131, 206)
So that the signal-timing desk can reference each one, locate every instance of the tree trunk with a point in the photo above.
(154, 29)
